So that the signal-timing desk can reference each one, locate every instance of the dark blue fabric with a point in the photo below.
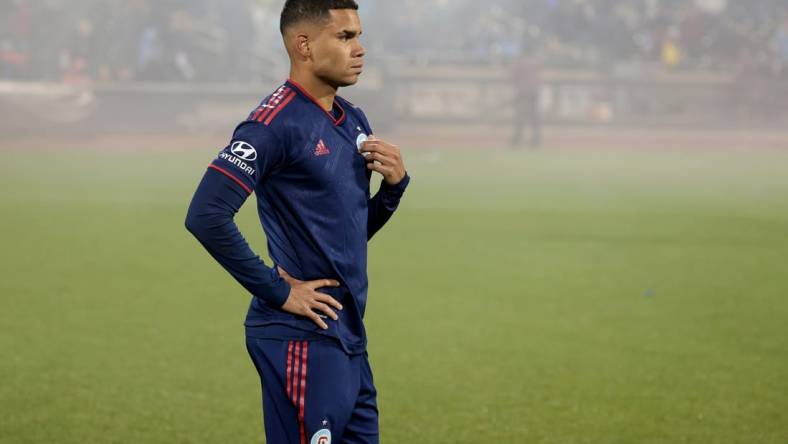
(336, 390)
(313, 200)
(210, 219)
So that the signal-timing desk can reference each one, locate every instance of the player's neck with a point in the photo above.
(321, 91)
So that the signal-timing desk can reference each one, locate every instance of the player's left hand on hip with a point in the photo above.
(384, 158)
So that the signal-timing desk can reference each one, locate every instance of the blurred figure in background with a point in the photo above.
(527, 82)
(781, 50)
(14, 39)
(670, 54)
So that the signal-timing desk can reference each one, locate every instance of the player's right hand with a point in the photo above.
(304, 297)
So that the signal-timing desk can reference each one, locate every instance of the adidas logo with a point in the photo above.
(321, 149)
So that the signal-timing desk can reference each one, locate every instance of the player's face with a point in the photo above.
(337, 54)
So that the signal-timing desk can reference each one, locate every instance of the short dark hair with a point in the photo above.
(296, 11)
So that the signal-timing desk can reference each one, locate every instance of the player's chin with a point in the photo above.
(349, 80)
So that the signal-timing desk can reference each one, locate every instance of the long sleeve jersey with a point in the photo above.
(313, 199)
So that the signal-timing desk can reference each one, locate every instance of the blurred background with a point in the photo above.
(638, 62)
(593, 248)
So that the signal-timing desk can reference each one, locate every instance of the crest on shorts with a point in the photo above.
(322, 436)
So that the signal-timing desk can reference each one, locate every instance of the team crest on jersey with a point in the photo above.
(244, 151)
(322, 436)
(360, 141)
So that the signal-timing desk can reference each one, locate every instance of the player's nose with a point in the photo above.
(359, 51)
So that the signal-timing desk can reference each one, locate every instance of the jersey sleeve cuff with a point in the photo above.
(397, 189)
(276, 294)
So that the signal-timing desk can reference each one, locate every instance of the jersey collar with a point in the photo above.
(308, 96)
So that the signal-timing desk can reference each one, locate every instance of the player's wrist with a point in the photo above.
(279, 293)
(399, 185)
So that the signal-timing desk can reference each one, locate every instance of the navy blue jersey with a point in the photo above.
(313, 198)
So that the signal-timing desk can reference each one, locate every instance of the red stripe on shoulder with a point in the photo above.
(272, 102)
(279, 108)
(235, 179)
(256, 113)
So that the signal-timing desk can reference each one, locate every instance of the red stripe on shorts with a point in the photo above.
(303, 392)
(289, 365)
(294, 396)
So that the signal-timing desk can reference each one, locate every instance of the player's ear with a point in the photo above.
(302, 44)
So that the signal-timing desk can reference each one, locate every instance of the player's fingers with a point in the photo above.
(381, 146)
(323, 283)
(326, 309)
(394, 152)
(322, 297)
(369, 147)
(382, 158)
(380, 168)
(375, 146)
(316, 319)
(388, 158)
(376, 166)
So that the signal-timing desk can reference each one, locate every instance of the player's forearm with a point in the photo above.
(383, 205)
(210, 220)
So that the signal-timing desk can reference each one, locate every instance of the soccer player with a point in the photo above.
(308, 155)
(527, 82)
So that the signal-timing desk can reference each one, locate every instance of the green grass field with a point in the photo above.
(549, 297)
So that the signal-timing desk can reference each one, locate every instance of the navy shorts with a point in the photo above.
(315, 393)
